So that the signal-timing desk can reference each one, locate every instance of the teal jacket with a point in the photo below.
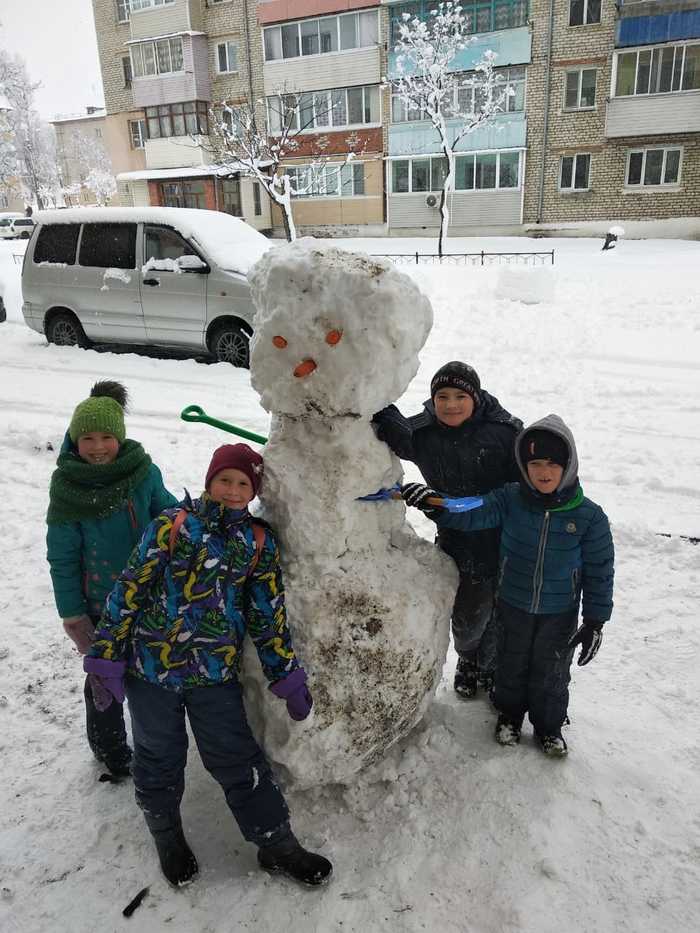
(86, 557)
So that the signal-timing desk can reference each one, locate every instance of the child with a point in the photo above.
(462, 443)
(201, 577)
(103, 493)
(555, 545)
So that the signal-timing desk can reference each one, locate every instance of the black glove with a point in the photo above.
(589, 636)
(416, 494)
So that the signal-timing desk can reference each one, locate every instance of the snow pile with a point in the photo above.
(532, 285)
(337, 337)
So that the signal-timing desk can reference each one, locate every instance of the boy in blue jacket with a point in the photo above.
(556, 547)
(171, 638)
(104, 492)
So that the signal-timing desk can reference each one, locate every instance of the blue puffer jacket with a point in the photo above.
(551, 554)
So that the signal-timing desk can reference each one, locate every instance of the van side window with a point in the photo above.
(57, 243)
(108, 246)
(163, 243)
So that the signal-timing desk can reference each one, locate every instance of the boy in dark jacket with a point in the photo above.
(171, 638)
(463, 444)
(104, 492)
(556, 546)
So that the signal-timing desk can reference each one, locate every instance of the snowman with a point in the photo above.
(337, 337)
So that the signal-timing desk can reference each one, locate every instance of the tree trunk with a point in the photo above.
(446, 189)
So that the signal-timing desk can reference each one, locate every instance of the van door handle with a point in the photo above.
(151, 281)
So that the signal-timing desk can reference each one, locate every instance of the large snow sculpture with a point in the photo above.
(337, 337)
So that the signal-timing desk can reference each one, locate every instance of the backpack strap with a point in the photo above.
(175, 529)
(259, 536)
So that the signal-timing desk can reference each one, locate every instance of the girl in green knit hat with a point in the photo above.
(103, 493)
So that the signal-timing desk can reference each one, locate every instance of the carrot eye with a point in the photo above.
(279, 342)
(333, 337)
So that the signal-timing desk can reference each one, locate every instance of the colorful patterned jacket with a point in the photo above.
(180, 622)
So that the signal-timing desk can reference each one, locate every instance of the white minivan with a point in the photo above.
(163, 276)
(7, 231)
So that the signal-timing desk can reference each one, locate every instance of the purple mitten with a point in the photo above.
(293, 689)
(106, 680)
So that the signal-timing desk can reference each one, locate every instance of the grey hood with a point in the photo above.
(555, 425)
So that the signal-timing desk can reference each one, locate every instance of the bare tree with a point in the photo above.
(456, 103)
(243, 145)
(95, 167)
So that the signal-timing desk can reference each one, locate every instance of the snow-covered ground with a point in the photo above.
(463, 835)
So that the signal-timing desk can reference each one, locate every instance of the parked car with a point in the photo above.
(6, 230)
(159, 276)
(21, 228)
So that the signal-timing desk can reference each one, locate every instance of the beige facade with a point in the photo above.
(76, 138)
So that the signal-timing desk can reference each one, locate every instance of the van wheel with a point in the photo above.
(65, 331)
(24, 236)
(229, 343)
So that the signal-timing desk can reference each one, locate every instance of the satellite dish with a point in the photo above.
(431, 200)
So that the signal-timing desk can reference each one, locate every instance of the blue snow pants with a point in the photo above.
(227, 748)
(532, 667)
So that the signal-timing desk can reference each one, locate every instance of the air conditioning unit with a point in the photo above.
(431, 200)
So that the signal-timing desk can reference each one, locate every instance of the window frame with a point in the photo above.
(330, 107)
(153, 44)
(125, 6)
(432, 174)
(663, 185)
(585, 20)
(227, 44)
(332, 170)
(578, 106)
(166, 112)
(575, 156)
(128, 77)
(356, 14)
(653, 49)
(142, 132)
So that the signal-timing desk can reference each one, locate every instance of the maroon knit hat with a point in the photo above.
(236, 457)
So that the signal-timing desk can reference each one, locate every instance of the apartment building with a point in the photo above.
(167, 66)
(613, 111)
(79, 138)
(325, 56)
(490, 161)
(11, 197)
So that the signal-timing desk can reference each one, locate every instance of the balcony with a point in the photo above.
(177, 152)
(334, 69)
(645, 23)
(512, 47)
(653, 114)
(165, 18)
(189, 82)
(506, 131)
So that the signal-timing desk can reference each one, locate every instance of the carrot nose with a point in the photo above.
(305, 368)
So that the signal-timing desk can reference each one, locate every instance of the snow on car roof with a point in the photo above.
(230, 242)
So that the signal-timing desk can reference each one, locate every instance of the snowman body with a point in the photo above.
(336, 338)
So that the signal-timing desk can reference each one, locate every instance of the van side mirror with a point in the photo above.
(192, 264)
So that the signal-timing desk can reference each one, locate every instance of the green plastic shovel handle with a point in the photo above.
(196, 413)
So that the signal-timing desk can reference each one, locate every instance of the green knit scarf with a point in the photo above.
(81, 490)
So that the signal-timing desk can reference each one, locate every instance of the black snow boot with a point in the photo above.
(291, 858)
(176, 858)
(466, 678)
(507, 731)
(553, 746)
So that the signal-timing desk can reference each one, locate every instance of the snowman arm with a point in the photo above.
(488, 515)
(396, 431)
(266, 614)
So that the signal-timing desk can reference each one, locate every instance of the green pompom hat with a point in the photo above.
(100, 414)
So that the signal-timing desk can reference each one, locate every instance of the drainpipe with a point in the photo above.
(545, 124)
(248, 51)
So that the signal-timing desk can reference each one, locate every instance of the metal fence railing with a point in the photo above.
(469, 259)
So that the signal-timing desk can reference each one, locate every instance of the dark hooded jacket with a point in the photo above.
(554, 548)
(470, 460)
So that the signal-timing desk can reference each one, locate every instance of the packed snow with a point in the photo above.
(459, 834)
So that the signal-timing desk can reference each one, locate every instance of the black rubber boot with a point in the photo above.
(553, 746)
(507, 731)
(292, 859)
(176, 858)
(466, 678)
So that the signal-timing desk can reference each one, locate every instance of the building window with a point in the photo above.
(147, 4)
(584, 12)
(123, 9)
(226, 57)
(653, 167)
(329, 180)
(474, 171)
(128, 72)
(137, 133)
(183, 194)
(575, 172)
(320, 36)
(479, 15)
(156, 58)
(324, 110)
(189, 119)
(579, 92)
(468, 98)
(231, 191)
(659, 70)
(257, 206)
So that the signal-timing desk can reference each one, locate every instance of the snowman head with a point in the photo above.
(336, 333)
